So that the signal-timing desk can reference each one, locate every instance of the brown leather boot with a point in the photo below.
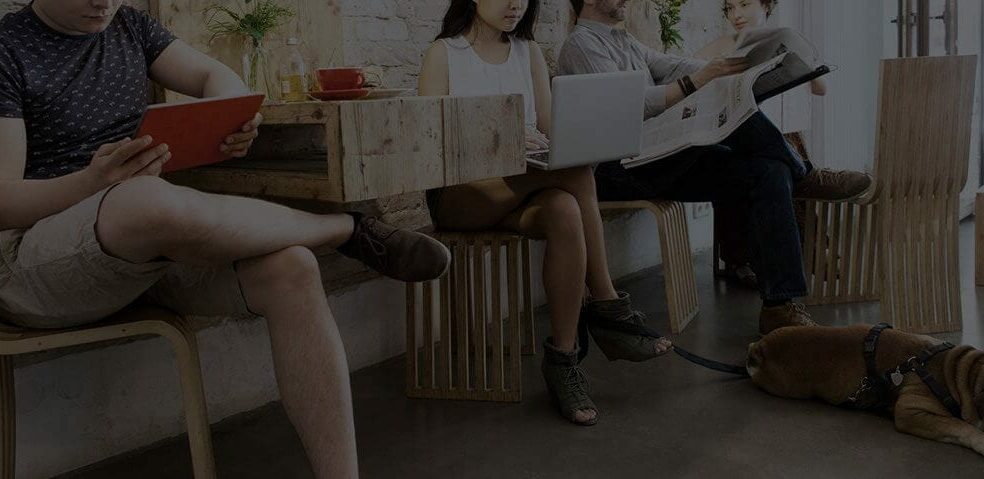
(789, 314)
(400, 254)
(832, 185)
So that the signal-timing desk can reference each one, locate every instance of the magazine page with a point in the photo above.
(792, 68)
(762, 44)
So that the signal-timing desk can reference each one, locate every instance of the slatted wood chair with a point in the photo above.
(839, 241)
(468, 330)
(678, 266)
(921, 160)
(136, 321)
(839, 247)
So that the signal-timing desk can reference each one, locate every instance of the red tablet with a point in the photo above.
(195, 130)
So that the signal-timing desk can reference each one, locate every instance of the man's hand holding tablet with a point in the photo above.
(200, 132)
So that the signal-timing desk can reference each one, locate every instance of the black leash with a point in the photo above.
(643, 330)
(880, 383)
(711, 364)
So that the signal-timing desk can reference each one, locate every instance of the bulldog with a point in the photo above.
(829, 364)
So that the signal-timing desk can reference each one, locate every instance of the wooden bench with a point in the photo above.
(135, 321)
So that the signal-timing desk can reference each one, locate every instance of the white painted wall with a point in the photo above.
(970, 41)
(848, 34)
(854, 36)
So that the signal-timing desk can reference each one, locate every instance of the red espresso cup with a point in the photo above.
(332, 79)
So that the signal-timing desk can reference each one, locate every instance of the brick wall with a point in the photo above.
(393, 34)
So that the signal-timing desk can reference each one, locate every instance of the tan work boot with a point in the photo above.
(789, 314)
(832, 185)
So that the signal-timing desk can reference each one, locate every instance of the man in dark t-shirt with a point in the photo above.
(87, 227)
(75, 93)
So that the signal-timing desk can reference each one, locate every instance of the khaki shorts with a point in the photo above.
(56, 275)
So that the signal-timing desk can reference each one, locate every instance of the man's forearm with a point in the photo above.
(25, 202)
(661, 97)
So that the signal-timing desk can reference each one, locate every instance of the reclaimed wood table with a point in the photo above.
(362, 150)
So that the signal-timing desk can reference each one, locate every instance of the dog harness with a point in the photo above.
(876, 387)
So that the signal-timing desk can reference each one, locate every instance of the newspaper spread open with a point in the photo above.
(780, 57)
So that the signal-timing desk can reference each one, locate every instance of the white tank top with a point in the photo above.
(469, 75)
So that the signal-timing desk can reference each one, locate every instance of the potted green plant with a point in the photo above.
(250, 21)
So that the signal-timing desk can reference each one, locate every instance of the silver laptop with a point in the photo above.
(596, 118)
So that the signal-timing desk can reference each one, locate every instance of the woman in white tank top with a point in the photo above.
(486, 47)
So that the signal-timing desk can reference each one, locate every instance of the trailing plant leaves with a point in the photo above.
(253, 23)
(669, 17)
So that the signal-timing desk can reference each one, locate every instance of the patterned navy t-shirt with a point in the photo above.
(75, 92)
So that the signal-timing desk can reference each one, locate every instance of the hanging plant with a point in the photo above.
(668, 12)
(250, 21)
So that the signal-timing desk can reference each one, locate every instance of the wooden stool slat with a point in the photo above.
(480, 348)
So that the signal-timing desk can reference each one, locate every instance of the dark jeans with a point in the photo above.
(755, 167)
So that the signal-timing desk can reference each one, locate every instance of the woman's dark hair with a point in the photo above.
(462, 13)
(578, 6)
(768, 5)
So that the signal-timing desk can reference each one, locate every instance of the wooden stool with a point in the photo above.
(140, 321)
(979, 226)
(678, 266)
(459, 344)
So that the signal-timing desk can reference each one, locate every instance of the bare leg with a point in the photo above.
(486, 203)
(309, 359)
(209, 229)
(554, 215)
(580, 183)
(551, 214)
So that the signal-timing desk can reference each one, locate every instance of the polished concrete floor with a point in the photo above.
(663, 418)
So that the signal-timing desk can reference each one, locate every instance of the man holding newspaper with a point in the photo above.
(705, 140)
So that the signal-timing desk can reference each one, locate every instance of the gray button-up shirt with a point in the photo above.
(594, 47)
